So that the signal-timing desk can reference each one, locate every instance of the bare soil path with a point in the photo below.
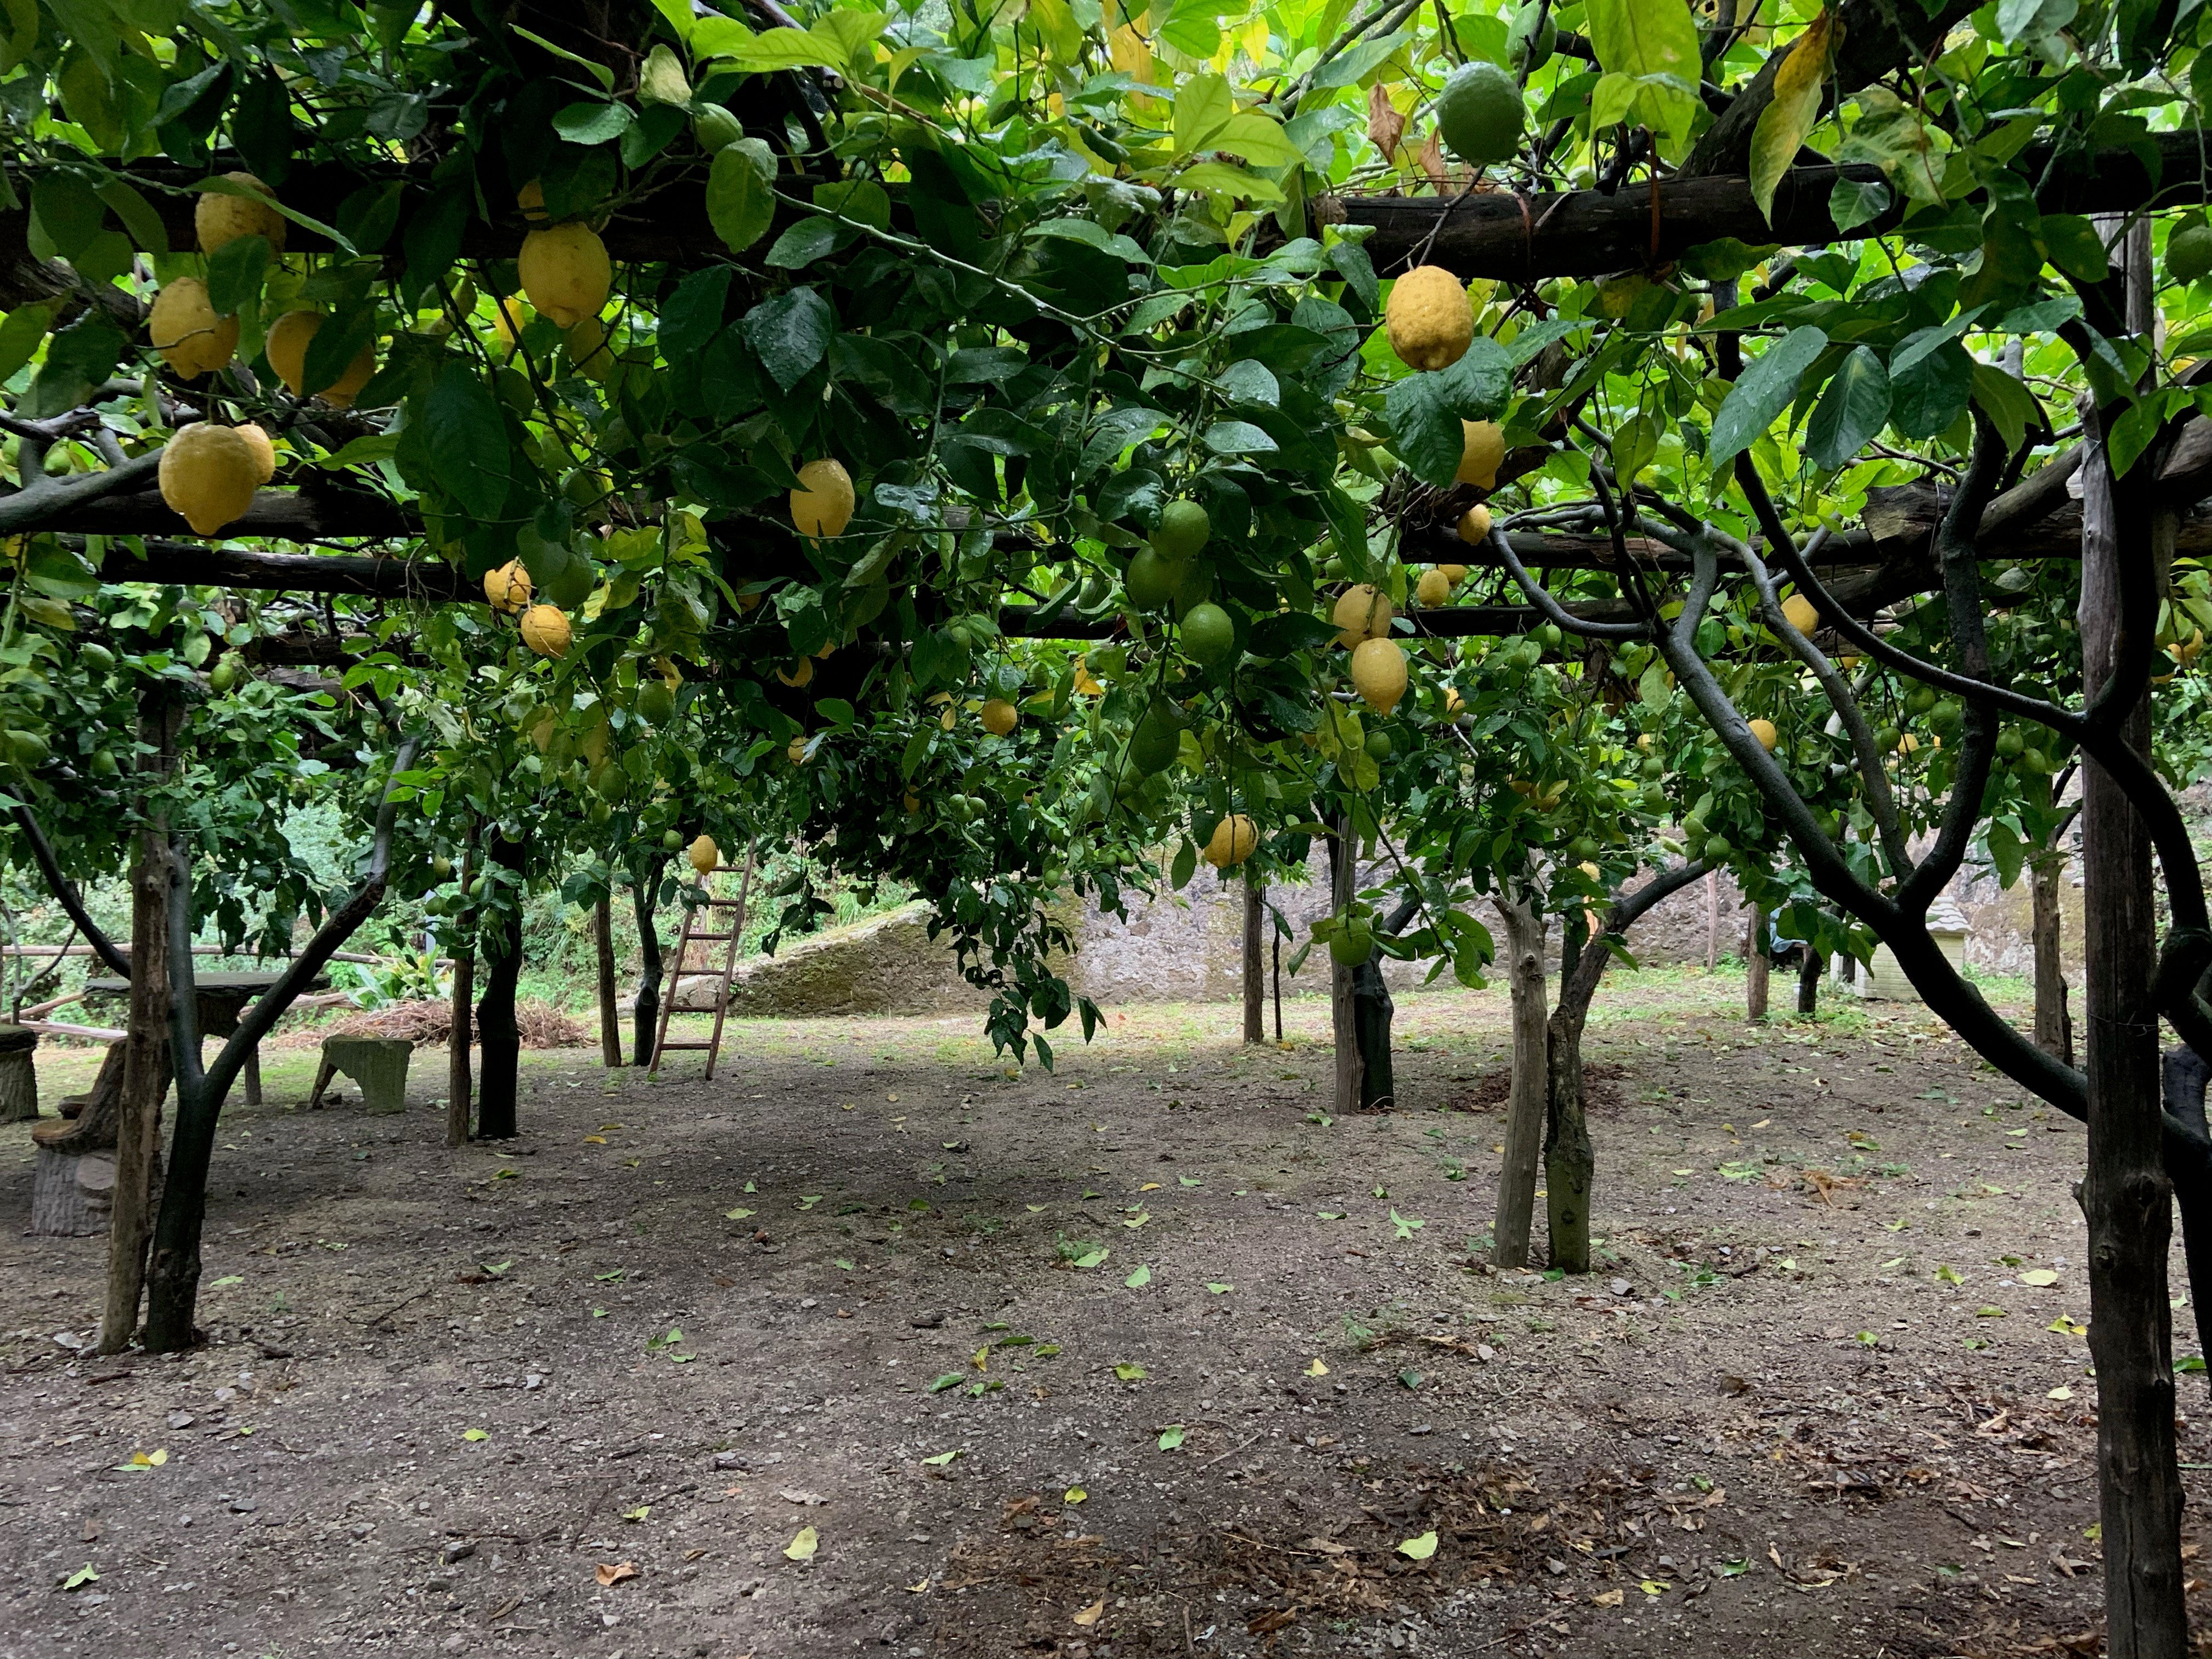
(1144, 1357)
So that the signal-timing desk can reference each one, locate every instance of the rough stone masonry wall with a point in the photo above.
(1187, 946)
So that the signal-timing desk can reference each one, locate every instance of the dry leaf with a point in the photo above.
(1091, 1615)
(614, 1572)
(1431, 162)
(794, 1495)
(1385, 126)
(1612, 1598)
(1316, 1369)
(802, 1547)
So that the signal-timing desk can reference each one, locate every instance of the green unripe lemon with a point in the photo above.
(224, 674)
(2189, 253)
(2009, 744)
(656, 702)
(1352, 944)
(1378, 746)
(1151, 581)
(1922, 699)
(1156, 742)
(1717, 849)
(673, 841)
(1183, 532)
(1581, 849)
(1480, 114)
(716, 128)
(1208, 635)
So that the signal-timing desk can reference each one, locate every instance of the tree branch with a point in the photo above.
(67, 896)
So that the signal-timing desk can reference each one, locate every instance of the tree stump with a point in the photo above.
(90, 1121)
(378, 1063)
(71, 1193)
(19, 1076)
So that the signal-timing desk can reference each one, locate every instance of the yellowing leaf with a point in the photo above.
(1796, 105)
(1129, 1371)
(1315, 1368)
(1091, 1615)
(2062, 1392)
(916, 1589)
(942, 1459)
(802, 1547)
(475, 1434)
(637, 1514)
(595, 1140)
(982, 1359)
(1138, 1280)
(1073, 1495)
(2038, 1277)
(1419, 1549)
(1150, 1187)
(1652, 1587)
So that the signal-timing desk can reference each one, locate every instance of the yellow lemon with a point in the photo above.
(1429, 317)
(1454, 705)
(588, 349)
(795, 752)
(1232, 841)
(1767, 736)
(998, 717)
(566, 272)
(218, 219)
(509, 317)
(1482, 447)
(801, 672)
(1475, 524)
(184, 328)
(1362, 613)
(1379, 674)
(1454, 573)
(705, 856)
(1801, 613)
(286, 349)
(531, 198)
(508, 589)
(209, 474)
(264, 452)
(546, 631)
(1434, 588)
(823, 504)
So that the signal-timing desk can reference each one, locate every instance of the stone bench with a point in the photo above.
(378, 1063)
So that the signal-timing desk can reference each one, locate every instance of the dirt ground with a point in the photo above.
(870, 1345)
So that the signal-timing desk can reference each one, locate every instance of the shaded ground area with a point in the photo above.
(1146, 1358)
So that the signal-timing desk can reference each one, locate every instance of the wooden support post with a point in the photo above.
(603, 938)
(1255, 985)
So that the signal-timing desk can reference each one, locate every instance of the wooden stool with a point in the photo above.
(72, 1194)
(378, 1063)
(19, 1075)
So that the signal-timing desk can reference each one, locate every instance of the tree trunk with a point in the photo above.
(2054, 1025)
(1569, 1163)
(1256, 984)
(1372, 1011)
(1757, 970)
(2125, 1194)
(1713, 919)
(460, 1081)
(497, 1035)
(1343, 860)
(1808, 980)
(146, 1063)
(603, 937)
(648, 978)
(1525, 1108)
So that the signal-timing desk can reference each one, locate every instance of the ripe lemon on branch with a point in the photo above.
(286, 349)
(508, 589)
(705, 856)
(565, 272)
(1362, 613)
(1474, 523)
(209, 474)
(999, 716)
(264, 452)
(546, 631)
(218, 218)
(1482, 449)
(1232, 841)
(184, 328)
(1429, 317)
(823, 504)
(1379, 674)
(1802, 614)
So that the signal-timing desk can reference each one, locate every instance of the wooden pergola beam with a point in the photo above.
(1590, 232)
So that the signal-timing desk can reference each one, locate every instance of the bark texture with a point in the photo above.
(498, 1038)
(1525, 1106)
(1256, 984)
(603, 940)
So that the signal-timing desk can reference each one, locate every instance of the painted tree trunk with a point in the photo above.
(603, 940)
(1256, 984)
(2125, 1193)
(1525, 1106)
(498, 1038)
(146, 1061)
(2054, 1021)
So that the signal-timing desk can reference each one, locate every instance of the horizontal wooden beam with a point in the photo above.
(194, 564)
(310, 513)
(1592, 233)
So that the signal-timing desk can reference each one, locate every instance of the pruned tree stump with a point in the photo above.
(19, 1075)
(72, 1194)
(378, 1063)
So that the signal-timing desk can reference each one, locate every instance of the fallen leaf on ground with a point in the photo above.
(2038, 1277)
(802, 1547)
(475, 1434)
(1316, 1369)
(1138, 1279)
(1091, 1615)
(1419, 1549)
(614, 1572)
(1073, 1495)
(639, 1513)
(1171, 1437)
(794, 1495)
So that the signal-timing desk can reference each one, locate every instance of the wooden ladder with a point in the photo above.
(705, 906)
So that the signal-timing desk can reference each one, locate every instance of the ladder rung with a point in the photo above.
(703, 938)
(726, 904)
(666, 1047)
(697, 973)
